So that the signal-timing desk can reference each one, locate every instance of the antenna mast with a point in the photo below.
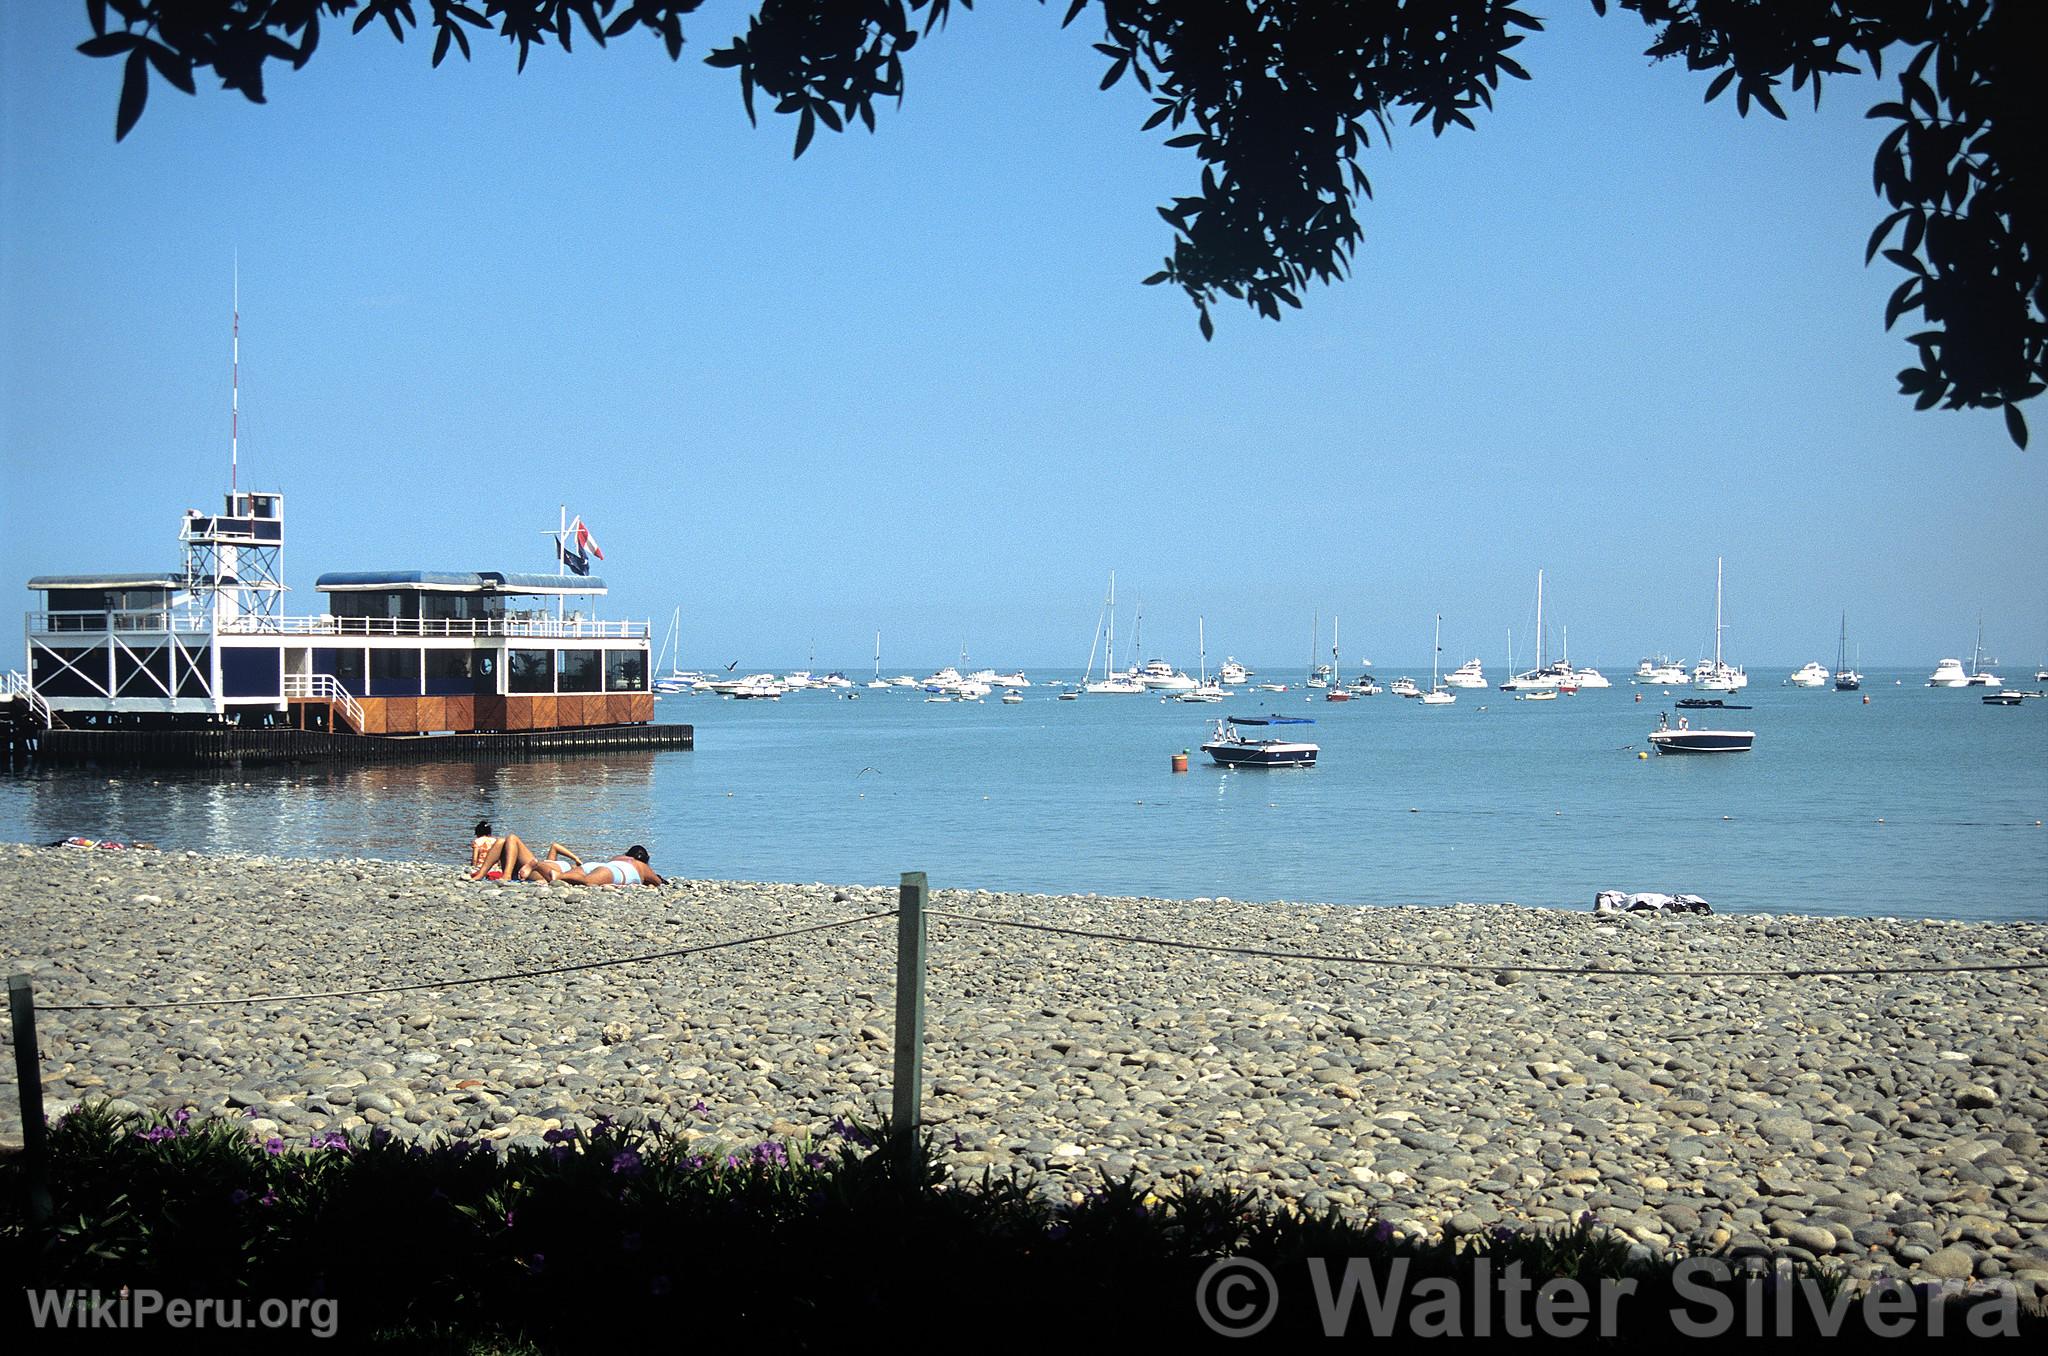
(235, 386)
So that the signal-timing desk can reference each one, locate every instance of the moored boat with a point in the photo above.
(1684, 739)
(1814, 674)
(1229, 747)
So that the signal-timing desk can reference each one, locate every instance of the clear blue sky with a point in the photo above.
(911, 383)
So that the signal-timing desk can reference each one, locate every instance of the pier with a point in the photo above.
(256, 747)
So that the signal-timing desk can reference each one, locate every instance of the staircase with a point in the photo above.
(301, 689)
(24, 715)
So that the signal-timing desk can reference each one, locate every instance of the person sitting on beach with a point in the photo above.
(481, 845)
(516, 861)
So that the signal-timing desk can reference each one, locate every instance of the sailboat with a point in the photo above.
(1204, 691)
(1438, 694)
(1846, 678)
(1110, 682)
(674, 680)
(878, 680)
(1336, 692)
(1318, 675)
(1542, 678)
(1715, 675)
(1980, 676)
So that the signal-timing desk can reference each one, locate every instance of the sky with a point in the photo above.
(911, 383)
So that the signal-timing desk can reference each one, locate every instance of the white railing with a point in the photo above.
(324, 687)
(550, 628)
(17, 685)
(99, 623)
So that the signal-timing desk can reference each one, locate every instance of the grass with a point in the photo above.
(451, 1246)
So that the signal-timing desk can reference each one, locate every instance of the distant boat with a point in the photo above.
(1659, 671)
(1846, 678)
(1204, 691)
(1685, 739)
(1948, 673)
(1471, 673)
(1544, 677)
(1438, 694)
(878, 680)
(1979, 675)
(1814, 674)
(1233, 674)
(1229, 747)
(1404, 687)
(1012, 697)
(1336, 692)
(1716, 675)
(1548, 694)
(1117, 684)
(1271, 687)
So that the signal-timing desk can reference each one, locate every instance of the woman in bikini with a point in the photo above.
(514, 860)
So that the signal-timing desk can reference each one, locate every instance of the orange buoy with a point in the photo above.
(1180, 762)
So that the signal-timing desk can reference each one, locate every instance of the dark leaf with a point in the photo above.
(2016, 425)
(175, 69)
(1208, 325)
(134, 93)
(1161, 276)
(806, 128)
(441, 41)
(1884, 228)
(1719, 83)
(112, 44)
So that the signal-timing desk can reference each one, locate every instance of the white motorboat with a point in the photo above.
(904, 680)
(758, 686)
(835, 679)
(1364, 686)
(1160, 676)
(798, 681)
(1009, 680)
(1233, 674)
(1948, 673)
(1541, 694)
(1471, 673)
(1716, 675)
(1590, 678)
(1812, 675)
(1012, 697)
(1404, 687)
(1271, 687)
(1661, 672)
(1685, 739)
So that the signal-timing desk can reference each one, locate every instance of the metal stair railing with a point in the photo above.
(18, 685)
(325, 687)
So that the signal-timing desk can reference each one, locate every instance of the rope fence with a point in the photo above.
(913, 914)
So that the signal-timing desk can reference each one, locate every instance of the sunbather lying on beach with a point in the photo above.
(517, 861)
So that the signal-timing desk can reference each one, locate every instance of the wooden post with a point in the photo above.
(910, 948)
(28, 1075)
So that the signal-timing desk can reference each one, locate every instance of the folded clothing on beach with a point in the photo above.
(108, 844)
(1621, 901)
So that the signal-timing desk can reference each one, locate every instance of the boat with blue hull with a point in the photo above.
(1230, 747)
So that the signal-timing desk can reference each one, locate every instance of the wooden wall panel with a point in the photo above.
(618, 708)
(643, 707)
(490, 712)
(401, 715)
(373, 714)
(518, 713)
(544, 713)
(433, 713)
(569, 710)
(459, 713)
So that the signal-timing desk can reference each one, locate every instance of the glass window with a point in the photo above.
(529, 670)
(625, 670)
(581, 671)
(348, 670)
(451, 663)
(394, 664)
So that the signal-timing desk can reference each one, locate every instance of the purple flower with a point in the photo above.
(694, 1161)
(269, 1198)
(328, 1139)
(733, 1160)
(509, 1215)
(237, 1196)
(770, 1154)
(698, 1108)
(379, 1137)
(814, 1159)
(273, 1146)
(182, 1114)
(156, 1134)
(1383, 1231)
(627, 1162)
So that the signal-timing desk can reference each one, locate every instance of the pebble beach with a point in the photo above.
(1890, 1123)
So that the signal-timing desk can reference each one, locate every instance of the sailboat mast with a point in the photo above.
(1333, 652)
(878, 656)
(1109, 655)
(1315, 638)
(1717, 613)
(1439, 644)
(1202, 647)
(1542, 652)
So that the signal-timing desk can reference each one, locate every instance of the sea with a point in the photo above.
(1916, 802)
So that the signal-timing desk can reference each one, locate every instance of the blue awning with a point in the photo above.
(1270, 720)
(132, 579)
(444, 581)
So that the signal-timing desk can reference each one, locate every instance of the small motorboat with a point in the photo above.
(1230, 747)
(2004, 698)
(1684, 739)
(1708, 703)
(1545, 694)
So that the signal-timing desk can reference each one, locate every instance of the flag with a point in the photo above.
(575, 562)
(584, 541)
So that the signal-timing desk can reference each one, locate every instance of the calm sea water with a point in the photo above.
(1923, 802)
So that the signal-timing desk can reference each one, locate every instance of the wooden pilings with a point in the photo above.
(222, 747)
